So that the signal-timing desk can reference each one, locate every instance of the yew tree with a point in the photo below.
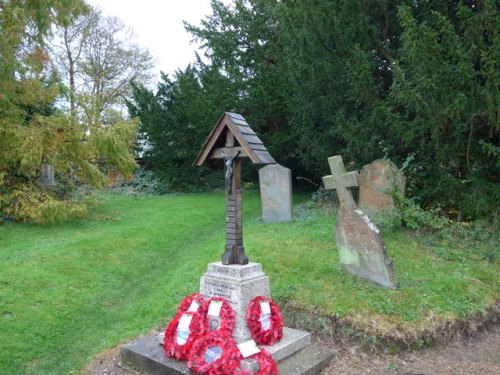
(414, 81)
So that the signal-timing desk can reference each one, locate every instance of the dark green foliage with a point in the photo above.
(242, 42)
(413, 81)
(175, 122)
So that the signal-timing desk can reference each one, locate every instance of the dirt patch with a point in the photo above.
(479, 354)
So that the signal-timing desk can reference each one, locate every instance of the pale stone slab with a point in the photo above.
(239, 284)
(146, 355)
(362, 249)
(276, 193)
(377, 181)
(293, 340)
(309, 361)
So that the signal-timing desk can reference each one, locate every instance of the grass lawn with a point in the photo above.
(70, 291)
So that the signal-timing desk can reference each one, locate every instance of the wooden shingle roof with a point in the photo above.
(245, 138)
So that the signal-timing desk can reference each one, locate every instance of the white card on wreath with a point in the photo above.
(248, 348)
(214, 308)
(265, 307)
(184, 322)
(183, 329)
(194, 306)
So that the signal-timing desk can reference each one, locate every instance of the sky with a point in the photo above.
(158, 26)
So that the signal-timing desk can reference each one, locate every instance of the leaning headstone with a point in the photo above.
(361, 246)
(276, 193)
(378, 180)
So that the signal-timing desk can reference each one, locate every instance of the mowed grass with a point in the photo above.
(70, 291)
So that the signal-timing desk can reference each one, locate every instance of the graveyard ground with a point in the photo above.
(464, 356)
(71, 291)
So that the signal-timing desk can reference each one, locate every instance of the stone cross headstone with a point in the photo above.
(276, 193)
(361, 246)
(377, 181)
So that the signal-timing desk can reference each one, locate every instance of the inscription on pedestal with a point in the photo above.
(218, 289)
(239, 284)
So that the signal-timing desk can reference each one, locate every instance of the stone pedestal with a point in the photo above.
(239, 284)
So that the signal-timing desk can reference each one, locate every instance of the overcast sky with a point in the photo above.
(158, 26)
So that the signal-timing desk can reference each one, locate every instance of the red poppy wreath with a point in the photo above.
(186, 326)
(266, 327)
(266, 362)
(214, 354)
(181, 333)
(220, 316)
(194, 303)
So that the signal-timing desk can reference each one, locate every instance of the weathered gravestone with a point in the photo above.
(361, 246)
(377, 181)
(47, 176)
(276, 193)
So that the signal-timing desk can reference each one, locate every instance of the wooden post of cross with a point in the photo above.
(234, 252)
(340, 180)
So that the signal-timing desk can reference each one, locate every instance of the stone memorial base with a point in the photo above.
(147, 356)
(239, 284)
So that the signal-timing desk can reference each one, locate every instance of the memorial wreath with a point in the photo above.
(262, 334)
(214, 354)
(179, 349)
(192, 306)
(187, 304)
(266, 362)
(225, 322)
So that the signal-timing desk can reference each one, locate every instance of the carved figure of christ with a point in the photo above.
(234, 252)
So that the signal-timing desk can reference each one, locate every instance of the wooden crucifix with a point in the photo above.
(231, 140)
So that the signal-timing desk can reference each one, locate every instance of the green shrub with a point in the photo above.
(147, 182)
(40, 207)
(415, 217)
(144, 181)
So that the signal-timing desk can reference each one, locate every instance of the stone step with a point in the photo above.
(294, 356)
(309, 361)
(293, 340)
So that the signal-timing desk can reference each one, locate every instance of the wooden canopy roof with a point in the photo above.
(233, 126)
